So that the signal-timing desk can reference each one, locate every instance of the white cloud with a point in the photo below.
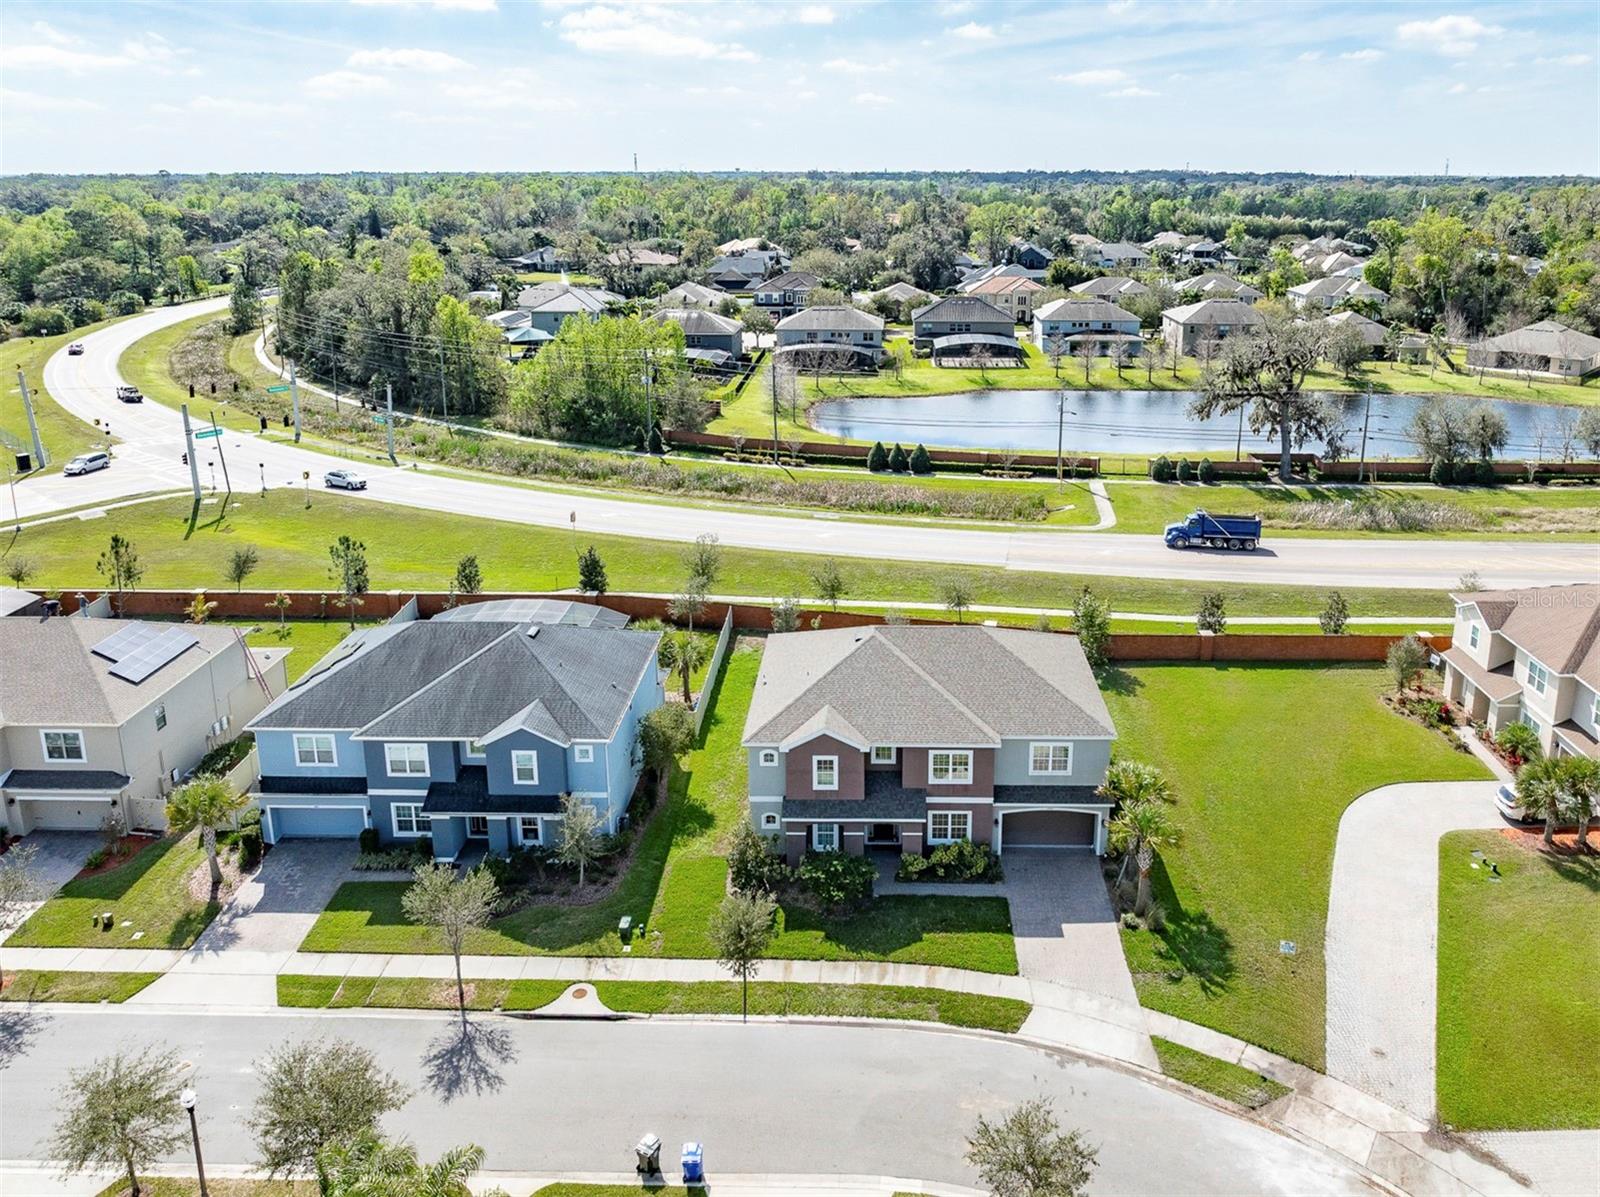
(1103, 77)
(1566, 60)
(1452, 34)
(336, 85)
(805, 95)
(872, 98)
(645, 29)
(437, 5)
(1309, 56)
(1132, 93)
(972, 32)
(230, 106)
(507, 93)
(59, 58)
(955, 8)
(815, 14)
(851, 66)
(1367, 54)
(1459, 89)
(51, 34)
(58, 52)
(33, 101)
(431, 61)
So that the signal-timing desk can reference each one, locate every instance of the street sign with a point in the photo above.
(207, 432)
(278, 389)
(379, 418)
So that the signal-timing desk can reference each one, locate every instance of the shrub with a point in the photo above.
(1335, 615)
(1483, 474)
(96, 858)
(1207, 471)
(921, 463)
(44, 322)
(1441, 473)
(899, 463)
(837, 879)
(878, 459)
(83, 311)
(1519, 742)
(1213, 613)
(912, 866)
(959, 861)
(425, 846)
(368, 839)
(390, 860)
(249, 848)
(11, 311)
(655, 444)
(1185, 471)
(752, 866)
(225, 756)
(125, 303)
(1161, 469)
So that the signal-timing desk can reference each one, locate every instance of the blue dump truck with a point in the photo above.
(1215, 531)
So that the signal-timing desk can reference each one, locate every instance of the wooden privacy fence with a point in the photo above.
(757, 617)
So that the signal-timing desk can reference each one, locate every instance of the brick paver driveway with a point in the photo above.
(274, 909)
(61, 854)
(1382, 939)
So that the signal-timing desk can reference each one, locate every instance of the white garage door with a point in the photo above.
(317, 822)
(65, 814)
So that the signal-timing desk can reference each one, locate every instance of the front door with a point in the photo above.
(477, 827)
(883, 835)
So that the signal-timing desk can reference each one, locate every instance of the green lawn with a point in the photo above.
(1231, 1082)
(1519, 990)
(310, 639)
(1263, 760)
(48, 985)
(814, 1001)
(148, 897)
(416, 549)
(63, 434)
(413, 993)
(218, 1186)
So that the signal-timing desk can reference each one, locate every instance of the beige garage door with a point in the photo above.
(1047, 829)
(65, 814)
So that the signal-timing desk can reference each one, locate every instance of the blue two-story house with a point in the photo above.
(462, 730)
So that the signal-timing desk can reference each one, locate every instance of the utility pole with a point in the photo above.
(1061, 427)
(217, 436)
(773, 374)
(33, 425)
(294, 398)
(444, 400)
(388, 399)
(1366, 422)
(188, 443)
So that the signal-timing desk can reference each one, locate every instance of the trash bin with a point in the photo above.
(694, 1171)
(648, 1153)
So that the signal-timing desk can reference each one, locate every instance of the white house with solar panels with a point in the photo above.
(105, 717)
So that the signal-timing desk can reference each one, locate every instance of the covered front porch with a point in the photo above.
(463, 816)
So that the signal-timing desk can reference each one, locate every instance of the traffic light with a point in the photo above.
(185, 459)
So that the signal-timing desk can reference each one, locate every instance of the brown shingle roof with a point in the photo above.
(1557, 625)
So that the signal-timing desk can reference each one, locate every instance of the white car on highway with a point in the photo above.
(87, 463)
(344, 480)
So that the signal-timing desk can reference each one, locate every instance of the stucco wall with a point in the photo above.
(797, 769)
(914, 773)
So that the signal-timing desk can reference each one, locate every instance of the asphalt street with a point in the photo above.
(149, 459)
(555, 1096)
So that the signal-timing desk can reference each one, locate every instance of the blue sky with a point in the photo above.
(1372, 88)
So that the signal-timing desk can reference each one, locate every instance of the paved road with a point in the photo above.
(1382, 936)
(574, 1096)
(149, 460)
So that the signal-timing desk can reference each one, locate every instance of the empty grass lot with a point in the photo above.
(1518, 986)
(1263, 759)
(147, 896)
(49, 985)
(413, 549)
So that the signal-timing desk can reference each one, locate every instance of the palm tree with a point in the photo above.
(208, 803)
(1139, 829)
(1518, 741)
(1583, 788)
(1129, 783)
(371, 1167)
(1542, 790)
(682, 653)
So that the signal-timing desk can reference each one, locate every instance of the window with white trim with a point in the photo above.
(1050, 759)
(525, 768)
(1472, 636)
(824, 773)
(952, 767)
(769, 757)
(1594, 714)
(528, 828)
(313, 750)
(409, 820)
(406, 760)
(769, 820)
(825, 837)
(583, 753)
(883, 754)
(947, 826)
(1538, 676)
(161, 715)
(63, 746)
(473, 750)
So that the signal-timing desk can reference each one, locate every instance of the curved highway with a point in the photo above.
(149, 459)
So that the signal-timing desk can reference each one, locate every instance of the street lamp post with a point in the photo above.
(187, 1100)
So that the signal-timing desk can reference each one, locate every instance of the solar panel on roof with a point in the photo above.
(144, 661)
(126, 641)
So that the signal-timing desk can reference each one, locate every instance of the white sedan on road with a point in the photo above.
(344, 480)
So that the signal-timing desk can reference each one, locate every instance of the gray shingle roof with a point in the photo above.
(1048, 796)
(95, 780)
(1558, 625)
(962, 309)
(1545, 338)
(691, 295)
(1101, 311)
(469, 794)
(927, 685)
(699, 322)
(1113, 285)
(1215, 311)
(790, 280)
(581, 615)
(831, 317)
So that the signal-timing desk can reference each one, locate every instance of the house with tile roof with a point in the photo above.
(902, 738)
(100, 719)
(1530, 656)
(1373, 335)
(1011, 295)
(458, 732)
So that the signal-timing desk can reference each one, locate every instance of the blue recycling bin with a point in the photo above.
(694, 1170)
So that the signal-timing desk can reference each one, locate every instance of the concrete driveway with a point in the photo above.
(1382, 937)
(61, 855)
(274, 909)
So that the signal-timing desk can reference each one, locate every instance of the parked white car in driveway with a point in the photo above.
(344, 480)
(1506, 802)
(87, 463)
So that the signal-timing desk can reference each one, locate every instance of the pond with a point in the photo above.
(1141, 422)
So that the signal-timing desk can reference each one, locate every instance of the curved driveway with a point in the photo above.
(148, 459)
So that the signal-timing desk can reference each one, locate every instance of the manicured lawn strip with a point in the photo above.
(414, 993)
(575, 1189)
(1231, 1082)
(223, 1186)
(63, 434)
(1518, 987)
(30, 985)
(1263, 759)
(972, 933)
(415, 549)
(150, 892)
(310, 992)
(830, 1001)
(310, 639)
